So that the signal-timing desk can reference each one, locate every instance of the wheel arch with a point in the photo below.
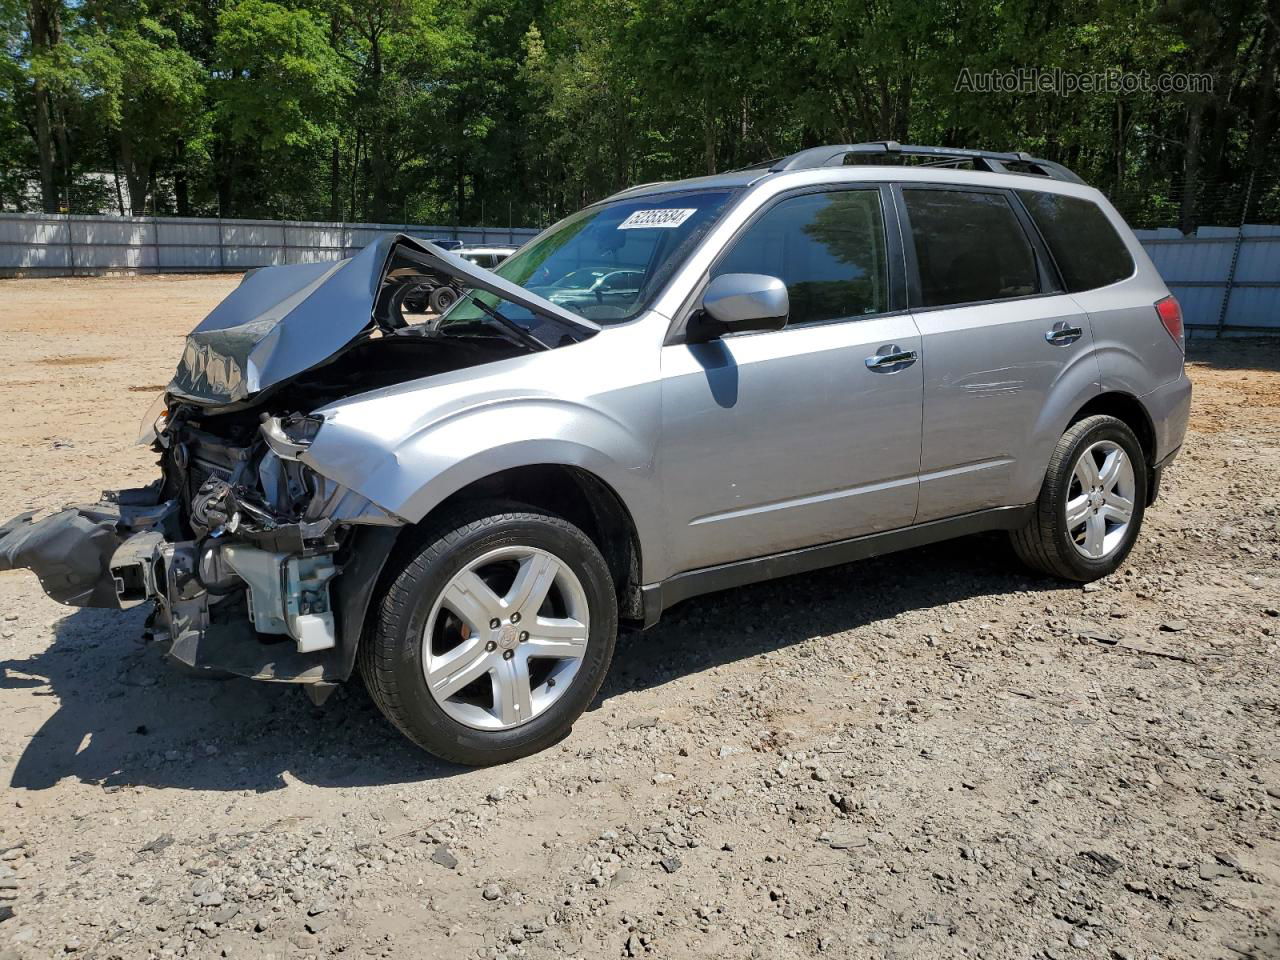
(1057, 419)
(1129, 410)
(570, 492)
(579, 496)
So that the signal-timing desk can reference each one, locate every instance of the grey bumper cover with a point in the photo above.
(117, 554)
(70, 552)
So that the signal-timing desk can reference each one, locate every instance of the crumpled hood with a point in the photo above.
(282, 321)
(279, 322)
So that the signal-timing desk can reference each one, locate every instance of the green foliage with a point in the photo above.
(278, 83)
(524, 110)
(145, 91)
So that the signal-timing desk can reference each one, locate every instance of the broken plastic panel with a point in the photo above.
(287, 594)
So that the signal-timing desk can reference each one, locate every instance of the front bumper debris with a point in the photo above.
(71, 552)
(284, 604)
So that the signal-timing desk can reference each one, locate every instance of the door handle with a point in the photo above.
(1063, 333)
(891, 360)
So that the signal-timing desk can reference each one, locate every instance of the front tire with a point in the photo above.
(1091, 505)
(495, 635)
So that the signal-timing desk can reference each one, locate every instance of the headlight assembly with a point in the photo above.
(156, 419)
(290, 436)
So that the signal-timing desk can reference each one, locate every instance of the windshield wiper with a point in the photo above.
(506, 324)
(575, 329)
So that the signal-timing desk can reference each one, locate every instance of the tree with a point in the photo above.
(150, 93)
(399, 52)
(278, 87)
(44, 40)
(494, 111)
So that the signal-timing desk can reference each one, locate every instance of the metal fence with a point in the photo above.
(44, 245)
(1226, 278)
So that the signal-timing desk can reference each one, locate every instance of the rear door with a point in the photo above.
(1004, 346)
(1135, 354)
(810, 434)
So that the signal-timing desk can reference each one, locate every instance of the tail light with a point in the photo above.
(1171, 316)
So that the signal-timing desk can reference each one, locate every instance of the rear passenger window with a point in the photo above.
(1082, 240)
(828, 248)
(969, 247)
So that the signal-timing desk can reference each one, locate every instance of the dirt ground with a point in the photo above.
(928, 755)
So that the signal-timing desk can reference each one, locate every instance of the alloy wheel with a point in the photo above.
(505, 638)
(1100, 501)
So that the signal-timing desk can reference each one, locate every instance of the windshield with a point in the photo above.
(604, 263)
(580, 279)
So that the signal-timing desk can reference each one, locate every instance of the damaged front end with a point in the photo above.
(259, 565)
(247, 578)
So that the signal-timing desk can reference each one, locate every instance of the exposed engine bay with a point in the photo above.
(258, 564)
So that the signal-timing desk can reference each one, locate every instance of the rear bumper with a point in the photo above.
(1169, 407)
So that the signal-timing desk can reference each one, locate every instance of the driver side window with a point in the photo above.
(828, 248)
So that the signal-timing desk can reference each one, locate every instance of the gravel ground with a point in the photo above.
(927, 755)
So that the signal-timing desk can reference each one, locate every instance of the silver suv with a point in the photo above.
(771, 371)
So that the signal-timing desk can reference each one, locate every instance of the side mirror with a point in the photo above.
(737, 302)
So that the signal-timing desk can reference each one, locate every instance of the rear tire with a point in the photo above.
(442, 298)
(1091, 504)
(520, 685)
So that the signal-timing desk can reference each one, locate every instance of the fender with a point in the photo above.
(1135, 352)
(407, 447)
(442, 452)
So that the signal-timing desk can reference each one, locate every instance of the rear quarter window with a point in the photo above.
(970, 247)
(1088, 250)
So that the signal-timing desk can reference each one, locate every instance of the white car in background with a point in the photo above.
(440, 297)
(487, 257)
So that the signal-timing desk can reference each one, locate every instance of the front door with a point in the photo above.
(810, 434)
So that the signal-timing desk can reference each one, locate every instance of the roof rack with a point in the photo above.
(987, 160)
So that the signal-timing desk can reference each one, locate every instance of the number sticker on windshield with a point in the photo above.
(644, 219)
